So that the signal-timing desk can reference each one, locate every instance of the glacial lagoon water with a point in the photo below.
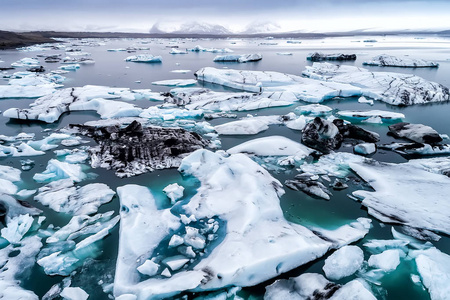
(110, 69)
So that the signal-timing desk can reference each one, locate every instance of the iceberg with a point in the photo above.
(26, 62)
(176, 82)
(415, 132)
(174, 191)
(57, 170)
(62, 254)
(318, 56)
(257, 243)
(16, 228)
(418, 148)
(49, 108)
(305, 182)
(74, 293)
(304, 89)
(135, 149)
(247, 126)
(387, 261)
(403, 192)
(315, 286)
(392, 88)
(177, 51)
(63, 196)
(385, 60)
(70, 67)
(369, 116)
(365, 148)
(144, 58)
(196, 98)
(272, 146)
(343, 262)
(315, 110)
(238, 58)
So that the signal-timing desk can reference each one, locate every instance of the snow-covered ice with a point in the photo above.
(57, 170)
(344, 262)
(144, 58)
(369, 116)
(238, 58)
(365, 148)
(385, 60)
(392, 88)
(176, 82)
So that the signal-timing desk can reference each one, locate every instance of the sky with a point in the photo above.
(235, 15)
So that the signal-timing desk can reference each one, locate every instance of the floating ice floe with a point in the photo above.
(77, 60)
(238, 58)
(309, 184)
(181, 71)
(16, 262)
(387, 260)
(174, 192)
(434, 269)
(70, 67)
(247, 126)
(257, 242)
(63, 196)
(365, 148)
(403, 192)
(392, 88)
(317, 56)
(195, 98)
(74, 293)
(14, 208)
(313, 110)
(57, 170)
(363, 99)
(26, 62)
(315, 286)
(301, 88)
(49, 108)
(285, 53)
(385, 60)
(107, 109)
(272, 146)
(177, 51)
(168, 114)
(418, 133)
(144, 58)
(16, 228)
(371, 116)
(62, 254)
(344, 262)
(147, 148)
(176, 82)
(418, 148)
(31, 86)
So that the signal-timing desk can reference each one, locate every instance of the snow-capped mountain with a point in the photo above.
(191, 28)
(262, 27)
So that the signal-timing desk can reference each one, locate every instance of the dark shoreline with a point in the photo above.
(10, 40)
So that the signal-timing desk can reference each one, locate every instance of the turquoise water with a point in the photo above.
(110, 69)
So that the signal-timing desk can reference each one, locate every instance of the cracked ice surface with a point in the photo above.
(259, 243)
(392, 88)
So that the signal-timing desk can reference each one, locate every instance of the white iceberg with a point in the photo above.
(387, 260)
(177, 51)
(57, 170)
(176, 82)
(71, 67)
(144, 58)
(247, 126)
(365, 148)
(74, 293)
(174, 192)
(272, 146)
(368, 115)
(313, 110)
(385, 60)
(238, 58)
(344, 262)
(16, 228)
(63, 196)
(304, 89)
(392, 88)
(403, 192)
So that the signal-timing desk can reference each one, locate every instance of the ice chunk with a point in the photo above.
(177, 51)
(387, 260)
(71, 67)
(304, 182)
(108, 108)
(62, 255)
(365, 148)
(176, 82)
(144, 58)
(74, 293)
(382, 245)
(317, 56)
(333, 164)
(174, 192)
(392, 88)
(247, 126)
(16, 208)
(363, 99)
(366, 116)
(175, 262)
(57, 170)
(148, 268)
(344, 262)
(418, 148)
(195, 98)
(16, 228)
(257, 81)
(272, 146)
(168, 114)
(403, 192)
(434, 269)
(238, 58)
(315, 286)
(63, 196)
(50, 108)
(26, 62)
(415, 132)
(313, 110)
(385, 60)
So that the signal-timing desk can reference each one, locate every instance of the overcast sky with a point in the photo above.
(290, 15)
